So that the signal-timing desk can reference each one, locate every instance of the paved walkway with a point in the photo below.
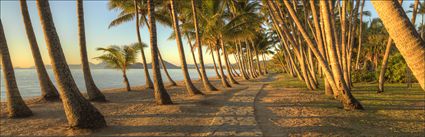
(236, 117)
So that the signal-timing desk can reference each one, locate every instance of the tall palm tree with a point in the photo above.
(381, 78)
(405, 36)
(191, 89)
(207, 85)
(120, 58)
(161, 95)
(360, 35)
(79, 112)
(48, 90)
(93, 92)
(139, 39)
(172, 82)
(15, 104)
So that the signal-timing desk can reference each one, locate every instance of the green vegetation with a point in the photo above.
(398, 110)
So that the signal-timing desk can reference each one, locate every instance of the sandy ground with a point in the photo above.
(253, 108)
(134, 113)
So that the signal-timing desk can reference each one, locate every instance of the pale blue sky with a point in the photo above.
(97, 19)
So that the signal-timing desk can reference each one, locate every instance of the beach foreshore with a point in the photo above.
(128, 113)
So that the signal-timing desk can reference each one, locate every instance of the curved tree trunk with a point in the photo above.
(48, 90)
(191, 89)
(161, 95)
(139, 39)
(172, 82)
(15, 104)
(79, 112)
(93, 92)
(227, 63)
(405, 36)
(215, 65)
(348, 100)
(223, 76)
(258, 61)
(241, 61)
(207, 85)
(360, 36)
(126, 82)
(193, 56)
(384, 66)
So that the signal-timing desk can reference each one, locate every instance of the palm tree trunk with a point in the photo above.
(93, 92)
(227, 63)
(126, 82)
(265, 63)
(139, 39)
(79, 112)
(223, 76)
(258, 61)
(215, 65)
(349, 101)
(15, 104)
(191, 89)
(241, 62)
(193, 55)
(384, 66)
(172, 82)
(360, 35)
(207, 85)
(405, 36)
(408, 71)
(48, 90)
(161, 95)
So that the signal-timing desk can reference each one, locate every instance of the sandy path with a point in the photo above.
(229, 112)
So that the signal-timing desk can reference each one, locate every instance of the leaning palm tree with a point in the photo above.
(139, 39)
(207, 85)
(120, 58)
(191, 89)
(161, 95)
(93, 92)
(48, 90)
(15, 104)
(79, 112)
(405, 36)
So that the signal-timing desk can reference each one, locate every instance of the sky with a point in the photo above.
(97, 19)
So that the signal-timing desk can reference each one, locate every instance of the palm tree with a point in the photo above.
(120, 58)
(48, 90)
(381, 78)
(191, 89)
(139, 39)
(93, 92)
(172, 82)
(347, 99)
(161, 95)
(207, 85)
(405, 36)
(79, 112)
(360, 35)
(15, 104)
(215, 64)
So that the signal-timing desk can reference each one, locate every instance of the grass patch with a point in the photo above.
(398, 111)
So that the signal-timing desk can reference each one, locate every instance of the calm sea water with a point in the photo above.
(104, 78)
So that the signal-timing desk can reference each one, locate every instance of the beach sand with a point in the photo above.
(131, 113)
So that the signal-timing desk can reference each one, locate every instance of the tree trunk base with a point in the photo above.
(49, 98)
(20, 111)
(89, 118)
(98, 99)
(353, 105)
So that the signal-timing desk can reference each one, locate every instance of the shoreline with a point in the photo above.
(34, 99)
